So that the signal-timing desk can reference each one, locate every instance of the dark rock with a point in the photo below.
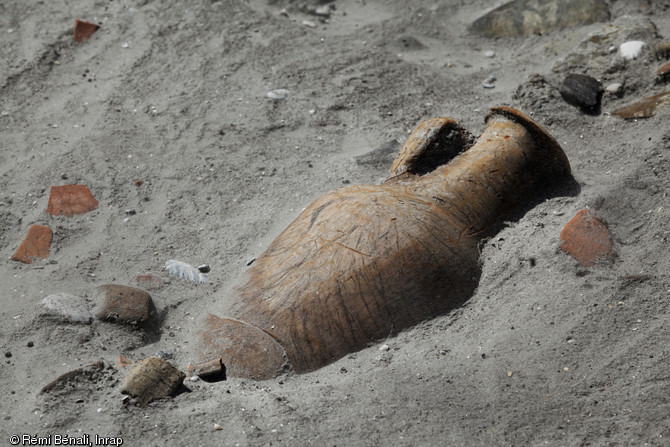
(582, 91)
(126, 305)
(524, 17)
(152, 379)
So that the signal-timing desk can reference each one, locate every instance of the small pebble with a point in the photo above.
(614, 88)
(250, 261)
(384, 347)
(489, 53)
(163, 354)
(131, 212)
(323, 11)
(309, 23)
(631, 49)
(8, 354)
(204, 268)
(217, 427)
(278, 94)
(30, 344)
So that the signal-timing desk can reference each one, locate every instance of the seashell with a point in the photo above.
(582, 91)
(631, 49)
(280, 93)
(185, 271)
(366, 261)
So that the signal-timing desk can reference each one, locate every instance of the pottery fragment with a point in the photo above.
(84, 30)
(152, 379)
(645, 108)
(36, 244)
(586, 238)
(70, 200)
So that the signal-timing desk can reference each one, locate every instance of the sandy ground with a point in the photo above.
(546, 352)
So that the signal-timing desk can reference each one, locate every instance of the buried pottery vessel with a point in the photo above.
(363, 262)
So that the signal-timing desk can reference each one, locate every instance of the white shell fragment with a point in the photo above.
(185, 271)
(631, 49)
(280, 93)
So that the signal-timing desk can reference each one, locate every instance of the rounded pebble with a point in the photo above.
(278, 94)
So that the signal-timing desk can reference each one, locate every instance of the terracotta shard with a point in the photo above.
(364, 262)
(212, 371)
(586, 238)
(663, 71)
(645, 108)
(151, 379)
(84, 30)
(70, 200)
(36, 244)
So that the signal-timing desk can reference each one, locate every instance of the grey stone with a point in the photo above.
(66, 307)
(524, 17)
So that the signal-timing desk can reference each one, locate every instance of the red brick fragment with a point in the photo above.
(36, 244)
(126, 305)
(586, 238)
(84, 30)
(68, 200)
(150, 282)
